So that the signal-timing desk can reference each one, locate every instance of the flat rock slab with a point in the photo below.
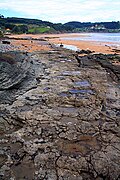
(63, 121)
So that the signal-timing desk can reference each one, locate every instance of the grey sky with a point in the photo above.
(63, 10)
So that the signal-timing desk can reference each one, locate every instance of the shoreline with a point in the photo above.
(97, 46)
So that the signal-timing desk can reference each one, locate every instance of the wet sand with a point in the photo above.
(98, 47)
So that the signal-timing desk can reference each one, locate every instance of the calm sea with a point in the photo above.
(114, 38)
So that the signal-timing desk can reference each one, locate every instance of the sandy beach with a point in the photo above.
(97, 46)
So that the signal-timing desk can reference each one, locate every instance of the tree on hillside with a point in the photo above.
(15, 29)
(1, 16)
(23, 28)
(9, 26)
(20, 29)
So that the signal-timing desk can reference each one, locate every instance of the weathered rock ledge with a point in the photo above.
(59, 120)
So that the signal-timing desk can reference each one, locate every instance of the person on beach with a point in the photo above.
(61, 45)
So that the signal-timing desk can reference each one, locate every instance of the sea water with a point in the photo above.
(101, 37)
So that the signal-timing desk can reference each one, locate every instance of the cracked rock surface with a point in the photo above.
(61, 122)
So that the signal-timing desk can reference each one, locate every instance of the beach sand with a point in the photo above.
(98, 47)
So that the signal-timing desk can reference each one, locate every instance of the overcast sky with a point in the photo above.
(61, 11)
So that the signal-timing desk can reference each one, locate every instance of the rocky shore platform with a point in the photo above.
(59, 118)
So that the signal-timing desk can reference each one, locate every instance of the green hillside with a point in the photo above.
(37, 30)
(24, 25)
